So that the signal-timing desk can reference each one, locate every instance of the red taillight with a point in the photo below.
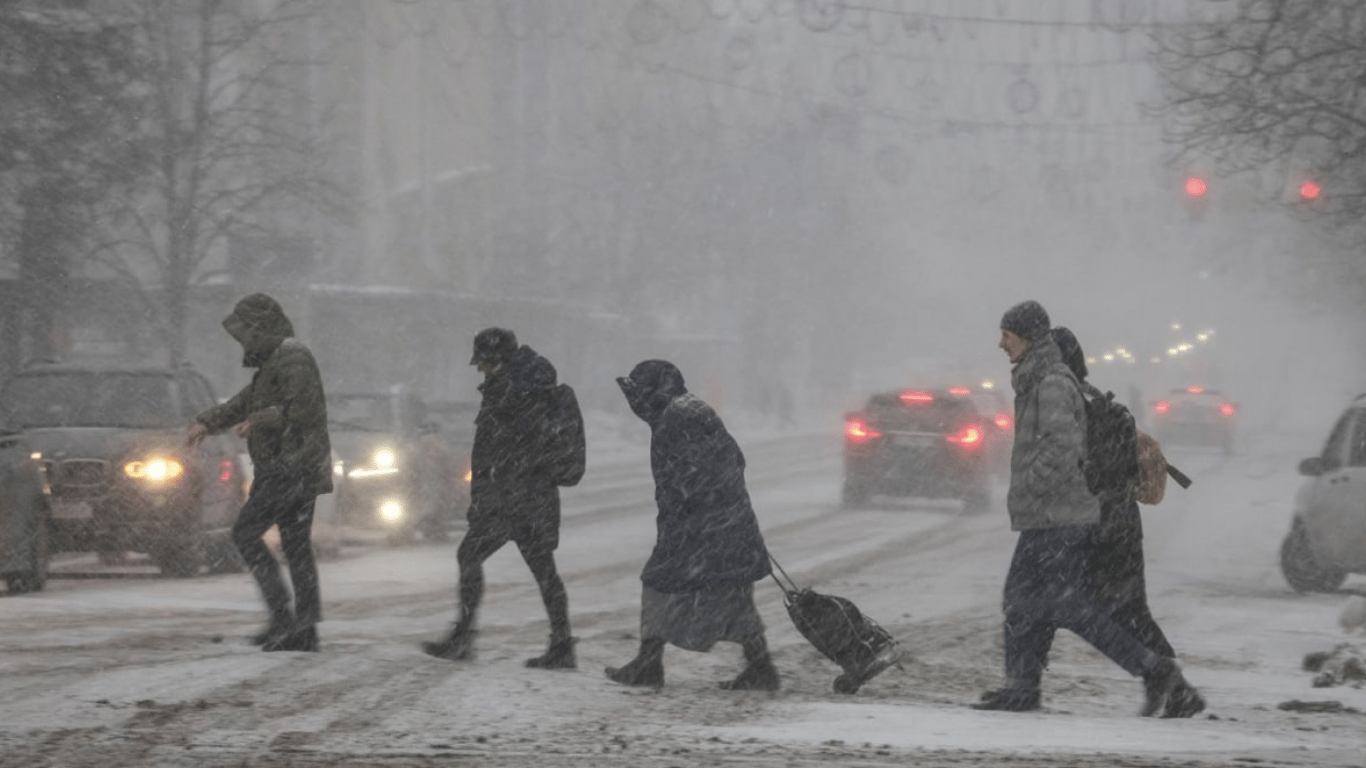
(1162, 408)
(1003, 421)
(859, 431)
(959, 391)
(969, 436)
(1195, 389)
(225, 471)
(910, 397)
(1227, 409)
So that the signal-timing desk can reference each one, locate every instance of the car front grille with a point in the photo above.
(78, 478)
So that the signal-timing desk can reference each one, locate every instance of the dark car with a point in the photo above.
(25, 501)
(396, 473)
(1194, 416)
(111, 438)
(918, 442)
(1327, 538)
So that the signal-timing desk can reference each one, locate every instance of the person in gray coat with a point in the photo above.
(283, 415)
(1057, 518)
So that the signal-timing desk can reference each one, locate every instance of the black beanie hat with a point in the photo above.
(1071, 351)
(1028, 320)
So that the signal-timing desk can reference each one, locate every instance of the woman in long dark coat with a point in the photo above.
(698, 585)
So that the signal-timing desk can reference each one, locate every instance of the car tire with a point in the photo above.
(854, 494)
(182, 554)
(1301, 572)
(32, 576)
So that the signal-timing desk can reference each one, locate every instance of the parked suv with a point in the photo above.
(917, 442)
(1327, 538)
(111, 437)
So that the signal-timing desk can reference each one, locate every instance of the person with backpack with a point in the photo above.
(517, 463)
(698, 584)
(1056, 516)
(1115, 470)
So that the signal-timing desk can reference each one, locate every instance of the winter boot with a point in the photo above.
(646, 669)
(300, 638)
(1185, 701)
(457, 646)
(1159, 685)
(279, 625)
(759, 673)
(1009, 700)
(560, 655)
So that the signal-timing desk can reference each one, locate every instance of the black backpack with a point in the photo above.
(565, 447)
(1111, 444)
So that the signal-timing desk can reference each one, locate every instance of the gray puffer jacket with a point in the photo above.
(1047, 478)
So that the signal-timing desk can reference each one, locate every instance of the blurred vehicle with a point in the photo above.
(917, 442)
(112, 441)
(1327, 538)
(327, 535)
(1194, 416)
(454, 420)
(998, 419)
(25, 503)
(394, 470)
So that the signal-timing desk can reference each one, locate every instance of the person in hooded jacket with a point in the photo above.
(1057, 518)
(282, 414)
(513, 496)
(698, 584)
(1115, 559)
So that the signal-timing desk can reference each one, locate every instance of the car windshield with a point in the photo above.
(370, 413)
(91, 399)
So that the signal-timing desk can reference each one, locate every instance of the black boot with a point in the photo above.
(280, 623)
(457, 646)
(759, 673)
(1009, 700)
(646, 669)
(1184, 701)
(560, 655)
(1160, 684)
(300, 638)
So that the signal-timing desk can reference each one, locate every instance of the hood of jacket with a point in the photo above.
(259, 324)
(650, 387)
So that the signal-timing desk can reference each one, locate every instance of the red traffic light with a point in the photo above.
(1310, 191)
(1196, 187)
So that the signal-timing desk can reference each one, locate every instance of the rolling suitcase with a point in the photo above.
(840, 631)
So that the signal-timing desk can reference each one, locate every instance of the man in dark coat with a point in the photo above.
(283, 415)
(513, 496)
(1057, 517)
(698, 585)
(1115, 568)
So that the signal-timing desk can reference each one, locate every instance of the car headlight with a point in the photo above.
(385, 458)
(154, 470)
(391, 510)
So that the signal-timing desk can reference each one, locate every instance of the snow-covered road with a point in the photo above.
(149, 671)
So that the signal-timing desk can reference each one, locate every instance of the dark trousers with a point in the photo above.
(1046, 588)
(531, 518)
(1115, 579)
(282, 500)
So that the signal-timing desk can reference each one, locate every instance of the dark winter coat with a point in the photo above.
(707, 536)
(509, 450)
(1047, 478)
(284, 401)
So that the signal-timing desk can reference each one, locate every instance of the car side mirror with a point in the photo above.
(428, 428)
(1312, 467)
